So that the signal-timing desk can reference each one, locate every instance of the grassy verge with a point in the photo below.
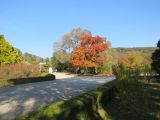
(117, 100)
(10, 82)
(135, 101)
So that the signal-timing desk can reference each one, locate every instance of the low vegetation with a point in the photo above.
(47, 77)
(11, 82)
(21, 73)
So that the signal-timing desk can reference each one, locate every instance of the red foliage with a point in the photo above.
(87, 54)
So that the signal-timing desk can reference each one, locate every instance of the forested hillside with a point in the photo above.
(145, 51)
(31, 58)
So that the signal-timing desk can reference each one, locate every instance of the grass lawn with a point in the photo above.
(117, 100)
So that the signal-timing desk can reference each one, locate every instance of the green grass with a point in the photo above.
(136, 101)
(117, 100)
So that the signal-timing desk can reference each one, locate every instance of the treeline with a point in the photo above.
(130, 56)
(144, 51)
(114, 56)
(79, 51)
(72, 41)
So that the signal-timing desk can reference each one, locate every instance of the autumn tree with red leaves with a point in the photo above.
(87, 54)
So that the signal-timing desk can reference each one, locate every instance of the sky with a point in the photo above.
(34, 25)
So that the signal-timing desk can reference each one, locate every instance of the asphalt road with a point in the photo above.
(20, 99)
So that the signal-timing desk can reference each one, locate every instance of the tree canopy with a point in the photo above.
(78, 50)
(87, 54)
(71, 40)
(8, 54)
(156, 59)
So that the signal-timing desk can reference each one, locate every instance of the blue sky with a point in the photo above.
(33, 25)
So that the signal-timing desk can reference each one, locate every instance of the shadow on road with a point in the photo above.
(20, 99)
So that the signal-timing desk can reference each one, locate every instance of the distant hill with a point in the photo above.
(144, 51)
(32, 58)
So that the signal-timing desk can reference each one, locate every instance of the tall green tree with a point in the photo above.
(8, 54)
(63, 48)
(156, 59)
(61, 61)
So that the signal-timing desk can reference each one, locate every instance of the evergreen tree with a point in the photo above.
(156, 59)
(8, 54)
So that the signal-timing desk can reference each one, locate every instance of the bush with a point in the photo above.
(21, 73)
(50, 76)
(13, 71)
(121, 72)
(135, 73)
(105, 69)
(31, 79)
(82, 71)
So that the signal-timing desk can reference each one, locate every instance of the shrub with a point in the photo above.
(12, 71)
(31, 79)
(121, 72)
(19, 73)
(82, 71)
(105, 69)
(50, 76)
(136, 73)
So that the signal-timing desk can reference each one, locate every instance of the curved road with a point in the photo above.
(20, 99)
